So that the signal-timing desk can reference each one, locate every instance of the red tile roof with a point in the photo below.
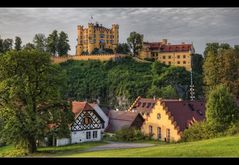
(168, 48)
(144, 105)
(185, 112)
(78, 106)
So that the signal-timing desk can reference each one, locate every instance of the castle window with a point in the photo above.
(111, 41)
(184, 62)
(169, 57)
(169, 62)
(178, 62)
(163, 57)
(101, 35)
(184, 56)
(178, 56)
(158, 116)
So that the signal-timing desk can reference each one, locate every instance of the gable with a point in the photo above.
(87, 120)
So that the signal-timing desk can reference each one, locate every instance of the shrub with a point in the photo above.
(149, 59)
(15, 153)
(129, 134)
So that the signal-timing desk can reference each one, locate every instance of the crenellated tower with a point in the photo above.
(115, 32)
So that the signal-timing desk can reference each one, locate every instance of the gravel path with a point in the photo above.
(119, 145)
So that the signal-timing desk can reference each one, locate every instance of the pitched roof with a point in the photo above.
(120, 119)
(144, 104)
(185, 112)
(78, 106)
(168, 47)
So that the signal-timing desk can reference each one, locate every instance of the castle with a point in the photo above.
(96, 36)
(170, 54)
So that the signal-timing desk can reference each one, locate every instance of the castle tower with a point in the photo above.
(79, 47)
(91, 44)
(115, 31)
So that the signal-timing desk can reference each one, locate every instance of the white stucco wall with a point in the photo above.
(80, 136)
(62, 142)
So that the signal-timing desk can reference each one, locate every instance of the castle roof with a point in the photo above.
(168, 47)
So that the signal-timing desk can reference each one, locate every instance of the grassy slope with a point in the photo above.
(226, 147)
(219, 147)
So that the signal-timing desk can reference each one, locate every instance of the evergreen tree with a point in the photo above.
(39, 41)
(29, 46)
(18, 43)
(62, 44)
(52, 42)
(7, 45)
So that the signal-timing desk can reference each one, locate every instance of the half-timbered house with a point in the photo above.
(89, 124)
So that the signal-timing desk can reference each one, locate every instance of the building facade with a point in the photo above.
(89, 124)
(166, 119)
(96, 36)
(176, 54)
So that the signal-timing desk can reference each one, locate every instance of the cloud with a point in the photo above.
(197, 25)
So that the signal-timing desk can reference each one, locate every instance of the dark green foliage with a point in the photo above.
(52, 42)
(197, 62)
(135, 42)
(29, 46)
(18, 43)
(30, 100)
(102, 51)
(84, 53)
(149, 59)
(39, 41)
(7, 45)
(62, 45)
(95, 51)
(123, 48)
(129, 134)
(118, 83)
(222, 109)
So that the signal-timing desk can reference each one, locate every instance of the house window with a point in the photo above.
(88, 135)
(184, 62)
(163, 57)
(159, 132)
(178, 62)
(158, 116)
(169, 57)
(143, 104)
(168, 135)
(178, 56)
(94, 134)
(184, 56)
(149, 104)
(87, 120)
(150, 130)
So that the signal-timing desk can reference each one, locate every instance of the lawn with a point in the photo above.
(218, 147)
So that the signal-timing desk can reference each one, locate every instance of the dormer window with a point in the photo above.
(143, 104)
(149, 104)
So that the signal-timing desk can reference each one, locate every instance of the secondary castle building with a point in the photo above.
(170, 54)
(166, 119)
(96, 36)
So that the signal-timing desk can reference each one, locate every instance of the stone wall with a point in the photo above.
(101, 57)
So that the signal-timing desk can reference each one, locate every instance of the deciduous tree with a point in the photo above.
(135, 41)
(18, 43)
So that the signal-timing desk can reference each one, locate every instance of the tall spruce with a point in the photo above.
(18, 43)
(52, 42)
(62, 44)
(39, 41)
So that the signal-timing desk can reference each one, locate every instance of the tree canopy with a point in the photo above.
(31, 105)
(135, 41)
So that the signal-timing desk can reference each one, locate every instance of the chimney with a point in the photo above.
(164, 41)
(183, 43)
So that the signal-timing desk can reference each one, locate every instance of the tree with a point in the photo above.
(7, 45)
(213, 47)
(197, 63)
(52, 42)
(62, 44)
(135, 41)
(221, 107)
(39, 41)
(30, 100)
(1, 45)
(29, 46)
(18, 43)
(168, 92)
(123, 48)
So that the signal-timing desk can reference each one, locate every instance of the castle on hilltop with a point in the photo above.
(96, 36)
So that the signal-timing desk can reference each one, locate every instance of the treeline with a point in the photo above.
(55, 43)
(117, 83)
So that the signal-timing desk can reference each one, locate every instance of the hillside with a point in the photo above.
(117, 83)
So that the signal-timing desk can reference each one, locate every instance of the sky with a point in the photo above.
(190, 25)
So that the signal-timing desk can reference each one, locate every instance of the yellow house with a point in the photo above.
(176, 54)
(166, 119)
(96, 36)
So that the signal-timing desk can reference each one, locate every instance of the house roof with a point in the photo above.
(120, 119)
(78, 106)
(168, 47)
(144, 104)
(185, 112)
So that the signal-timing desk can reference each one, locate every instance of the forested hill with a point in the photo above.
(116, 84)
